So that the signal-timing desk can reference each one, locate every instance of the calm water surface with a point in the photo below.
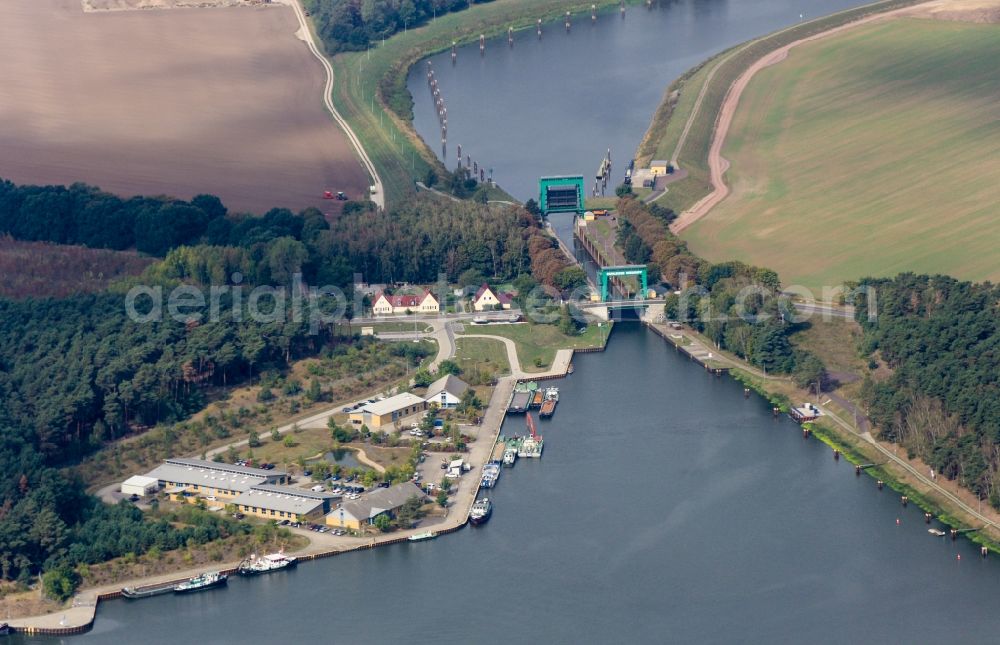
(554, 106)
(667, 508)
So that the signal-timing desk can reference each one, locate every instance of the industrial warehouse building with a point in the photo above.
(357, 513)
(217, 483)
(283, 503)
(140, 485)
(383, 414)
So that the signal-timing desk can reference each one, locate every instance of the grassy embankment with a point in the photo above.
(370, 92)
(879, 143)
(719, 73)
(537, 344)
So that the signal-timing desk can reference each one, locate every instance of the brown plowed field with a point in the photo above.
(178, 102)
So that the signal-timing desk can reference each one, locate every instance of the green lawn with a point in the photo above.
(540, 342)
(483, 354)
(868, 153)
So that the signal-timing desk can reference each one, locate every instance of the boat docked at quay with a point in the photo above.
(549, 402)
(481, 511)
(200, 583)
(420, 537)
(254, 566)
(491, 473)
(532, 445)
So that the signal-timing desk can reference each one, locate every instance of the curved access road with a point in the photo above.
(717, 164)
(377, 195)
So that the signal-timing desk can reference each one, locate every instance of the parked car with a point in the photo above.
(133, 498)
(346, 410)
(383, 484)
(238, 516)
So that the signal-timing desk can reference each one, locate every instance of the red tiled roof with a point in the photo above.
(403, 300)
(503, 298)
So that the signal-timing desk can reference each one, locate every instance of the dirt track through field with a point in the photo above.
(717, 164)
(177, 102)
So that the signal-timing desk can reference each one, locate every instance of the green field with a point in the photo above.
(712, 79)
(873, 152)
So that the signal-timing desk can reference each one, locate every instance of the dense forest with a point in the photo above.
(940, 341)
(351, 25)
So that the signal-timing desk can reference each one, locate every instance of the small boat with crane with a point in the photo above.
(532, 445)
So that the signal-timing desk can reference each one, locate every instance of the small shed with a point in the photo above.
(658, 167)
(140, 485)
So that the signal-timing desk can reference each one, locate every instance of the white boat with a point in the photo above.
(418, 537)
(481, 511)
(266, 564)
(937, 532)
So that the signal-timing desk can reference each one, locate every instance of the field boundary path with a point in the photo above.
(378, 194)
(717, 164)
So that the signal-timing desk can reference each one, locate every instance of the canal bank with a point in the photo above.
(666, 503)
(611, 74)
(879, 460)
(372, 96)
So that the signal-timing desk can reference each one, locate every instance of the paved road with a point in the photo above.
(378, 194)
(826, 310)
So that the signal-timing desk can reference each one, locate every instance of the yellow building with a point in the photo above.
(385, 413)
(358, 513)
(486, 299)
(386, 304)
(658, 167)
(283, 503)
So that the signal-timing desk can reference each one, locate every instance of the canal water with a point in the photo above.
(553, 106)
(666, 508)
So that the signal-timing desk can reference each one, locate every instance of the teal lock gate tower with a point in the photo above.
(562, 194)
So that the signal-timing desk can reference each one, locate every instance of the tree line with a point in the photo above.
(934, 342)
(736, 305)
(353, 25)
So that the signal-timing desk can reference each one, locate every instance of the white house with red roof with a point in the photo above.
(486, 299)
(390, 304)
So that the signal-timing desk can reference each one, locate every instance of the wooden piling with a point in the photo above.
(880, 484)
(904, 499)
(927, 518)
